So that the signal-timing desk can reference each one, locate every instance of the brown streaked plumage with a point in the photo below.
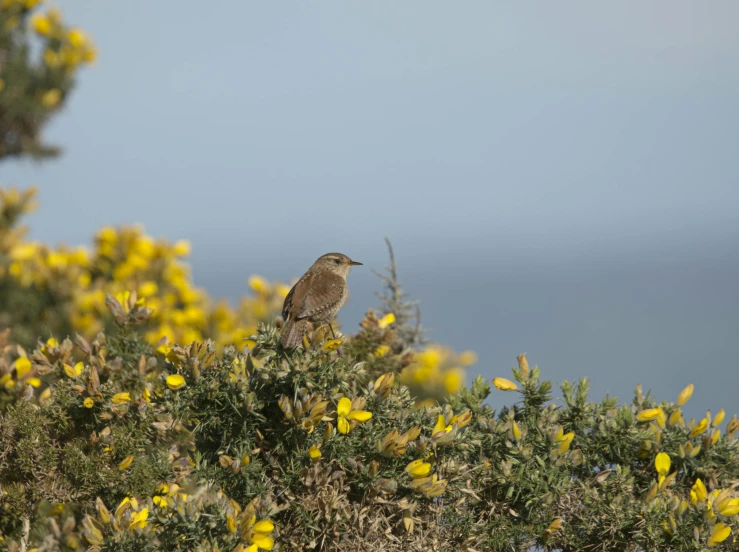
(316, 297)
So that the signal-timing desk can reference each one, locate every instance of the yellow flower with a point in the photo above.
(74, 371)
(34, 382)
(675, 417)
(662, 465)
(148, 289)
(649, 414)
(467, 358)
(453, 380)
(88, 402)
(441, 425)
(314, 452)
(22, 366)
(139, 520)
(51, 98)
(685, 395)
(729, 507)
(345, 413)
(181, 248)
(719, 534)
(381, 350)
(7, 381)
(661, 419)
(125, 463)
(565, 440)
(24, 252)
(77, 38)
(554, 526)
(718, 418)
(282, 290)
(146, 395)
(431, 486)
(418, 469)
(144, 247)
(386, 320)
(516, 431)
(259, 538)
(331, 345)
(698, 492)
(504, 384)
(175, 382)
(41, 24)
(259, 284)
(264, 526)
(120, 398)
(384, 384)
(700, 428)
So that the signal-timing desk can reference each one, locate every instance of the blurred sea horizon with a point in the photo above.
(559, 180)
(660, 318)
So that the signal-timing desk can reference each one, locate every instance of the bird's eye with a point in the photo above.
(337, 261)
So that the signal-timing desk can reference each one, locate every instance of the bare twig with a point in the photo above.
(394, 300)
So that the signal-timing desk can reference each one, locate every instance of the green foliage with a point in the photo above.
(257, 434)
(33, 88)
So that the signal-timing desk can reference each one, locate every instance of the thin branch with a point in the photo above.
(394, 300)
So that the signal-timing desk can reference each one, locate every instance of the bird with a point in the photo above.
(316, 297)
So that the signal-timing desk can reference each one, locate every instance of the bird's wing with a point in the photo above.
(295, 297)
(322, 293)
(287, 306)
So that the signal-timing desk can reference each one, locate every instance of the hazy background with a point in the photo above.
(560, 179)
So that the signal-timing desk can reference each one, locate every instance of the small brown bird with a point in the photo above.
(316, 297)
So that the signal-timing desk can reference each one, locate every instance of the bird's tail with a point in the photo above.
(293, 334)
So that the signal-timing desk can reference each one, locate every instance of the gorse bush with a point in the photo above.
(34, 87)
(129, 449)
(118, 435)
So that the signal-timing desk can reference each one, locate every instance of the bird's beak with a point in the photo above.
(355, 263)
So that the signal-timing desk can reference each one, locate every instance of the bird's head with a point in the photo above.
(335, 262)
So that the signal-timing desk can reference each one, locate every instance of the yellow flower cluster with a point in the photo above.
(171, 500)
(34, 264)
(66, 47)
(23, 373)
(436, 371)
(706, 430)
(124, 260)
(719, 503)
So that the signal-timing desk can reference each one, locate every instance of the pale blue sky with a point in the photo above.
(559, 178)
